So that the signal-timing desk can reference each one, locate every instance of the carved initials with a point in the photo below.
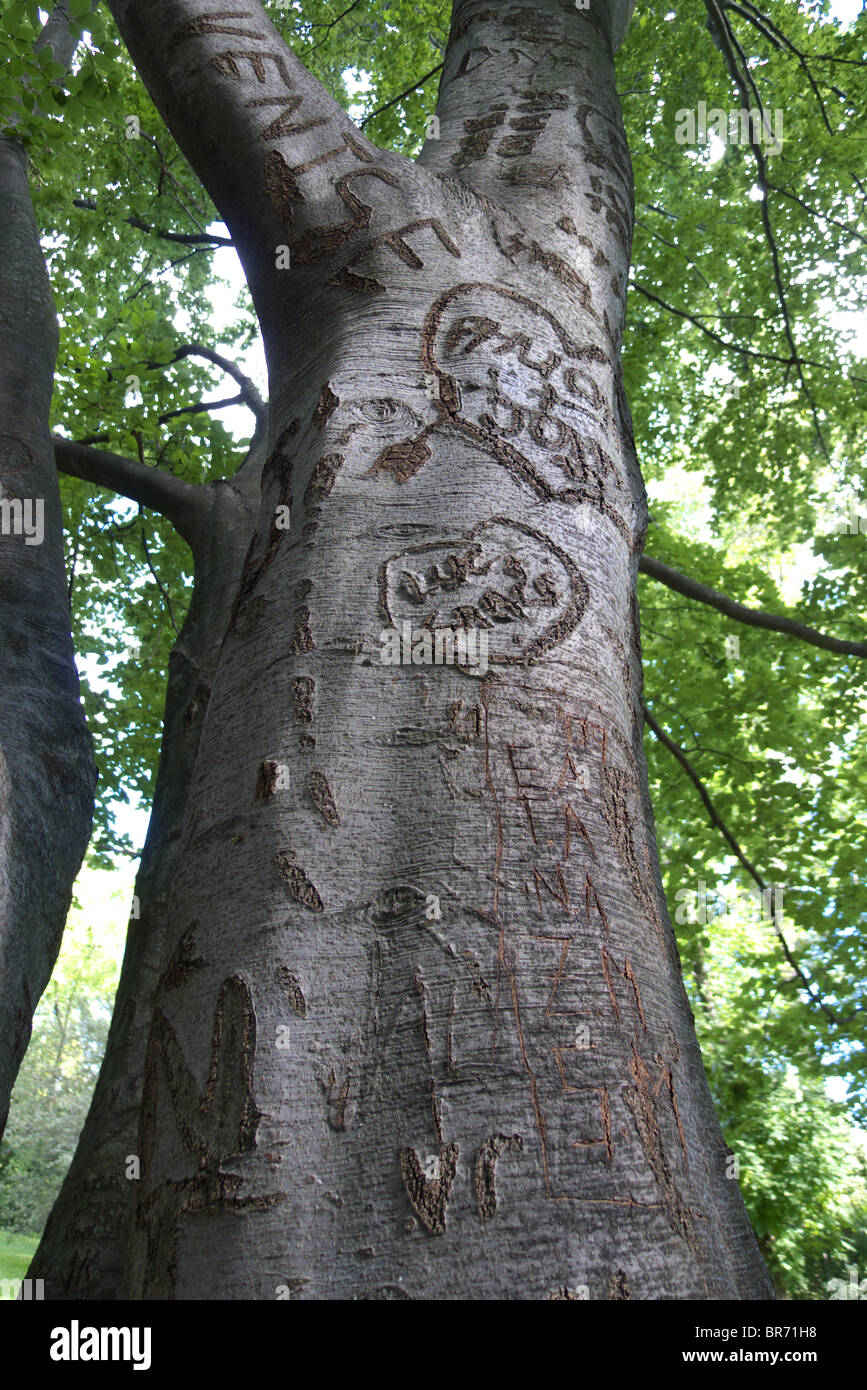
(217, 1125)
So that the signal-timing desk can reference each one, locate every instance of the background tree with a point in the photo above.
(47, 773)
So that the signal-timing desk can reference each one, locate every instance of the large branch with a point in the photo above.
(753, 617)
(521, 101)
(183, 504)
(265, 137)
(717, 821)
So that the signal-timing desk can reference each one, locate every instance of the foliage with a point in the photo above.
(802, 1165)
(777, 733)
(59, 1072)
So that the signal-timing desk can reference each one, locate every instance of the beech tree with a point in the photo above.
(402, 1012)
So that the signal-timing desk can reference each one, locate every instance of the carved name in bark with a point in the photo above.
(283, 181)
(505, 373)
(549, 799)
(503, 576)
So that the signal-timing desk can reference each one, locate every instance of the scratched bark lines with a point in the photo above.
(522, 800)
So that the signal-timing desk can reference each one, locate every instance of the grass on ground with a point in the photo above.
(16, 1252)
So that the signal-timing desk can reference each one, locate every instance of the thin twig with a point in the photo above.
(717, 821)
(408, 92)
(157, 580)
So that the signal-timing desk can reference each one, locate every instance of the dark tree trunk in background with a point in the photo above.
(419, 1027)
(47, 772)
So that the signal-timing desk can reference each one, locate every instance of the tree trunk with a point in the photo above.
(47, 772)
(82, 1248)
(420, 1029)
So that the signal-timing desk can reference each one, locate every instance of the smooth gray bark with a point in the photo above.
(82, 1249)
(420, 1029)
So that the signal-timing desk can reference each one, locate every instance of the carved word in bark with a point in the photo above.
(503, 576)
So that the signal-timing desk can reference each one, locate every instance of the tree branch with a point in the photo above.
(163, 592)
(183, 504)
(781, 41)
(717, 821)
(733, 347)
(753, 617)
(728, 42)
(328, 25)
(201, 407)
(186, 238)
(816, 212)
(407, 92)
